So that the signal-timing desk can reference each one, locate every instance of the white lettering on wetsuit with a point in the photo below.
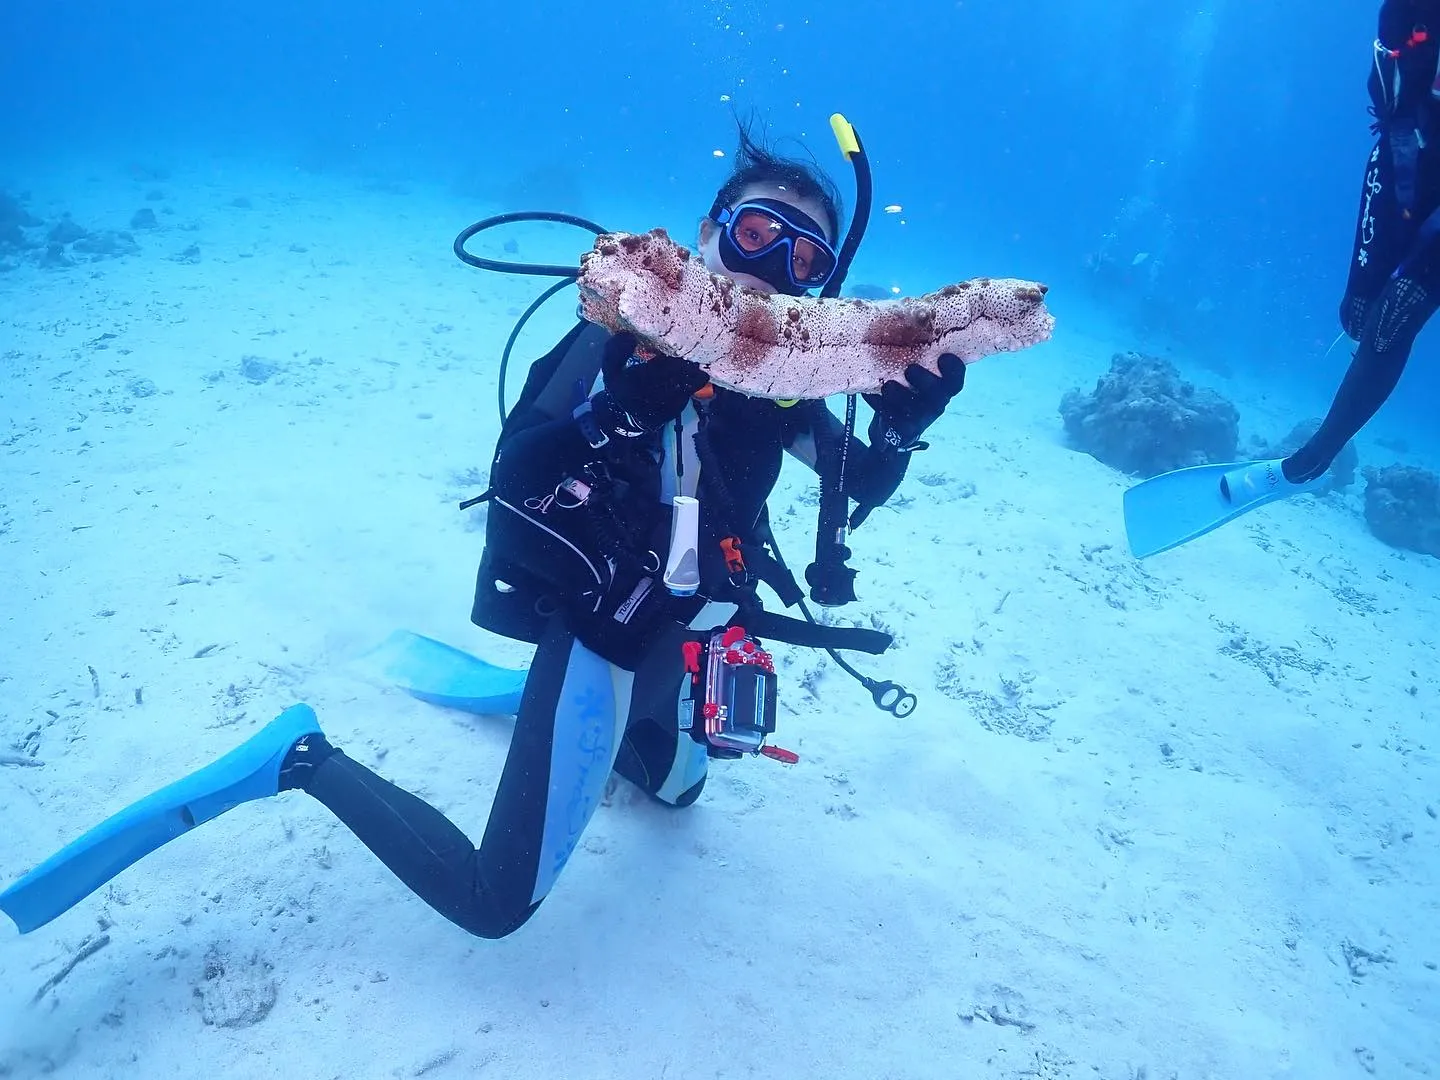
(1367, 219)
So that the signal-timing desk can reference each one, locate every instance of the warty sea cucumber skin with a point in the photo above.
(797, 347)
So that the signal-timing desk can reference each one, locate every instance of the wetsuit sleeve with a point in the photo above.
(871, 477)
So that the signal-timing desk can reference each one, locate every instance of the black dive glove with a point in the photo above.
(902, 413)
(640, 396)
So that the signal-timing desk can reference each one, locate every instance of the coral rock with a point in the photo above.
(1142, 418)
(1402, 507)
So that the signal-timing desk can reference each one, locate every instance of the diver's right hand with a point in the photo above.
(642, 396)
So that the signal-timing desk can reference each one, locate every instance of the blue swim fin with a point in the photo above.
(442, 675)
(1174, 507)
(250, 771)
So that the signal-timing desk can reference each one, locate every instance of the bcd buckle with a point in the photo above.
(734, 562)
(570, 494)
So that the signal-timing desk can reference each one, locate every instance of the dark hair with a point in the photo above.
(757, 164)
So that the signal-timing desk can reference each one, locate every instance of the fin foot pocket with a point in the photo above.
(1174, 508)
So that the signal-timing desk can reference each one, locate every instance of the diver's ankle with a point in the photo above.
(1296, 473)
(307, 755)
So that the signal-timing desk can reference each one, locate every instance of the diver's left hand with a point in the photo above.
(902, 413)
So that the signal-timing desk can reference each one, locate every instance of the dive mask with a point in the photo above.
(774, 242)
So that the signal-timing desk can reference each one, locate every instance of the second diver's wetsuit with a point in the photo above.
(1393, 287)
(601, 692)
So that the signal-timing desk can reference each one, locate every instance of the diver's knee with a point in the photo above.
(1353, 310)
(493, 922)
(684, 799)
(1400, 313)
(690, 794)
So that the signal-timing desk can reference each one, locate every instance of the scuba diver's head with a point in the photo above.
(774, 225)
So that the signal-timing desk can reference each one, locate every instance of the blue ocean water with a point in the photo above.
(1224, 142)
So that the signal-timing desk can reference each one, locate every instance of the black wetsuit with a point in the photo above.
(1394, 281)
(574, 726)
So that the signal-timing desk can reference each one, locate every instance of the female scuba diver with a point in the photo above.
(641, 668)
(1392, 290)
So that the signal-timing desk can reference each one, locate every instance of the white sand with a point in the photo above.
(1160, 820)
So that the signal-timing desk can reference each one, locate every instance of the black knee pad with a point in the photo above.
(492, 923)
(1353, 310)
(1402, 312)
(645, 758)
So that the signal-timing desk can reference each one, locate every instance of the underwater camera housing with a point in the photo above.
(728, 702)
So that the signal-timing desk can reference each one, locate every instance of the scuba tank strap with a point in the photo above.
(560, 380)
(806, 633)
(782, 583)
(809, 635)
(770, 568)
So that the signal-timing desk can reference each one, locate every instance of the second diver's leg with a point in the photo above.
(561, 753)
(1390, 329)
(1381, 309)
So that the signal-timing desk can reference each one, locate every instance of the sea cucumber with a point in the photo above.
(796, 347)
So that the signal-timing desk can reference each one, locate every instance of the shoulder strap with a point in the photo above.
(560, 379)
